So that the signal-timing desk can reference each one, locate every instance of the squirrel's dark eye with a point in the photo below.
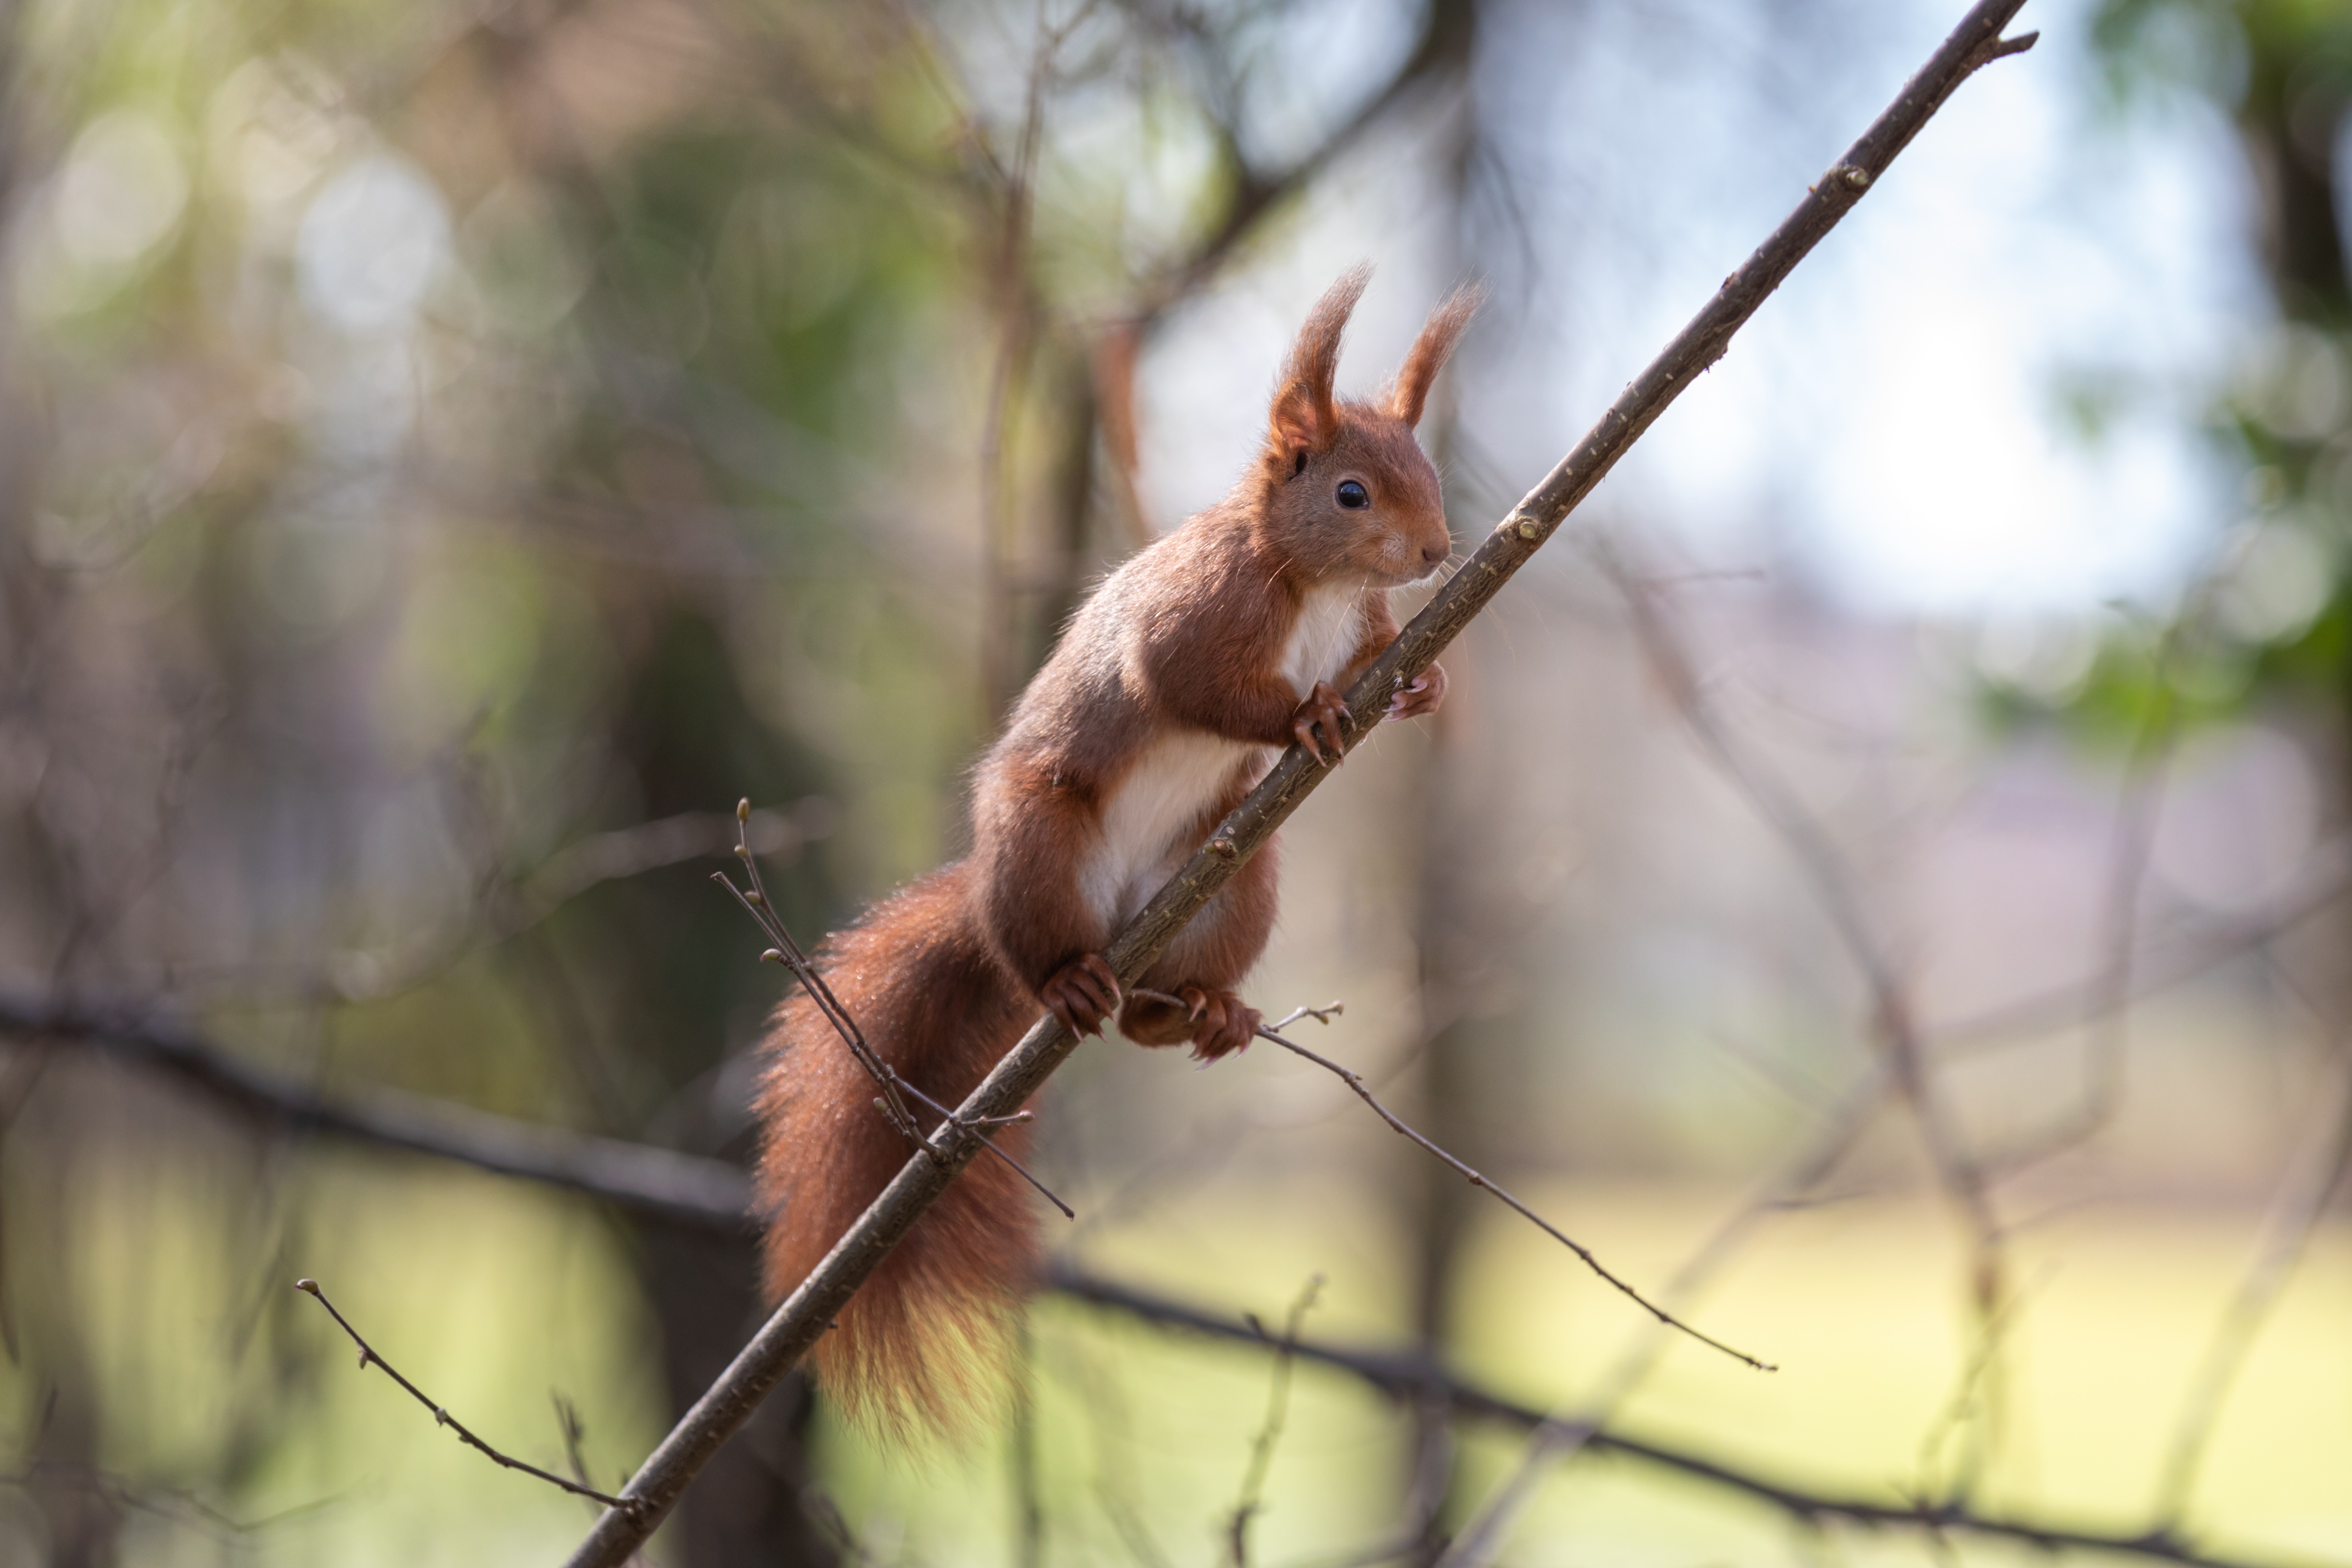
(1353, 496)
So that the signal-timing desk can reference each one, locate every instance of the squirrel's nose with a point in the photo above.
(1431, 555)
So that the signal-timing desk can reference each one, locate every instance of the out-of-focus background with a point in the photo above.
(1878, 882)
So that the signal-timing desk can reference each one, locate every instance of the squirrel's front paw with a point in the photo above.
(1082, 993)
(1422, 696)
(1326, 708)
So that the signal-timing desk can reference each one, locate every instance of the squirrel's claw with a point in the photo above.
(1214, 1022)
(1427, 690)
(1082, 993)
(1324, 707)
(1225, 1024)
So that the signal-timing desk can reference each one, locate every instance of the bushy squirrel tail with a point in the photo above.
(922, 1343)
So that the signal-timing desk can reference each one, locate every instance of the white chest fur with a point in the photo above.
(1147, 826)
(1148, 823)
(1329, 624)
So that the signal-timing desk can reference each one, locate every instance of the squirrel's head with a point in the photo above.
(1346, 489)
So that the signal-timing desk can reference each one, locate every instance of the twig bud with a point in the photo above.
(1858, 178)
(771, 956)
(1223, 847)
(1527, 528)
(754, 899)
(743, 809)
(310, 1285)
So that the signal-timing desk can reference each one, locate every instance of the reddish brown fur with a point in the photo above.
(1409, 394)
(925, 990)
(1159, 711)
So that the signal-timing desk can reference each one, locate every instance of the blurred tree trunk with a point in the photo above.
(41, 1327)
(1075, 554)
(1446, 905)
(1447, 917)
(78, 1514)
(2297, 88)
(677, 961)
(2292, 117)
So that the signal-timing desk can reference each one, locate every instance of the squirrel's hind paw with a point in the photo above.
(1222, 1022)
(1213, 1023)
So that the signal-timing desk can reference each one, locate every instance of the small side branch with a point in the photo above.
(1355, 1081)
(895, 1091)
(1277, 1411)
(368, 1357)
(2311, 1179)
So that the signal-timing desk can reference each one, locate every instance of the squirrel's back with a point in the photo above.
(916, 1344)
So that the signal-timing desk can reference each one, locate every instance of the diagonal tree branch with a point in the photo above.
(796, 1325)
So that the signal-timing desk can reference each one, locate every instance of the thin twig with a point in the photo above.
(574, 1430)
(2106, 1020)
(2325, 877)
(2310, 1179)
(175, 1504)
(511, 902)
(1560, 1436)
(1277, 1411)
(1959, 1416)
(1808, 843)
(1028, 1498)
(368, 1357)
(1355, 1081)
(892, 1103)
(1442, 47)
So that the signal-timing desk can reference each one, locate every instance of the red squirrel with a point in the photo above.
(1167, 698)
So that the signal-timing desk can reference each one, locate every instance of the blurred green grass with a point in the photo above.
(492, 1296)
(1860, 1302)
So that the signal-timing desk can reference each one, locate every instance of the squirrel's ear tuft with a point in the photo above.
(1438, 335)
(1305, 417)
